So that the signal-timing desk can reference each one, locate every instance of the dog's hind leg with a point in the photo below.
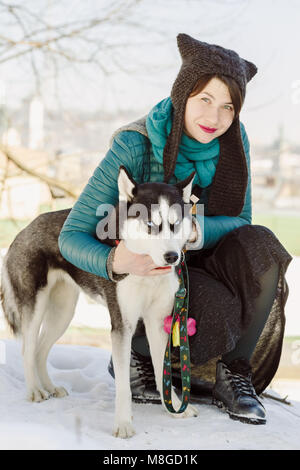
(60, 311)
(30, 331)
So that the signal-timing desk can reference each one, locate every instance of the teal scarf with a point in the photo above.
(192, 155)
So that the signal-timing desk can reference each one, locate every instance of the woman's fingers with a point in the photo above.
(126, 261)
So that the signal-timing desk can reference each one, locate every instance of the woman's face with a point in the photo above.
(211, 108)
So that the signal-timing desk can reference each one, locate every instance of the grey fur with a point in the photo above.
(39, 292)
(25, 267)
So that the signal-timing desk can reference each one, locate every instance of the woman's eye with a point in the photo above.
(229, 108)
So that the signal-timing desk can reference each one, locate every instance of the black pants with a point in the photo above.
(237, 292)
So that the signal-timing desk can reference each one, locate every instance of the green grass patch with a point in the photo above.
(285, 227)
(291, 339)
(9, 228)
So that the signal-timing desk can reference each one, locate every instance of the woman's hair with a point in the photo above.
(234, 89)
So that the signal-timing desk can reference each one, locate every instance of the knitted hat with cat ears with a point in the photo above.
(228, 190)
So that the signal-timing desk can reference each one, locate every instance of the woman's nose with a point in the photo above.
(212, 117)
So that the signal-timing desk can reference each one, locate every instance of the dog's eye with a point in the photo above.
(149, 223)
(175, 223)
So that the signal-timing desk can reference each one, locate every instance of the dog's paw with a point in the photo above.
(38, 395)
(123, 430)
(59, 392)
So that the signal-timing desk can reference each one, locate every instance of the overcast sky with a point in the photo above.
(265, 32)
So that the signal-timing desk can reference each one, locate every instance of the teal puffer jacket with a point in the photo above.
(78, 243)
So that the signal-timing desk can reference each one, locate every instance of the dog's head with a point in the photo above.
(154, 218)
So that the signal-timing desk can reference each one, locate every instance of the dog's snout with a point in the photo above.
(171, 257)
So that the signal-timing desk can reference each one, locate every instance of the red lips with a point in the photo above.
(210, 130)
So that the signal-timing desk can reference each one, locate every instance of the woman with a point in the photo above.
(237, 276)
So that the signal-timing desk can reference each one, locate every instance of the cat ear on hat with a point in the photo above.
(251, 70)
(187, 45)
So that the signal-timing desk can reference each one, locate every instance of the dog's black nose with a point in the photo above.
(171, 257)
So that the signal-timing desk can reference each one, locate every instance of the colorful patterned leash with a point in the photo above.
(179, 328)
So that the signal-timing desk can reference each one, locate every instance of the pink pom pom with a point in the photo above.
(168, 323)
(191, 326)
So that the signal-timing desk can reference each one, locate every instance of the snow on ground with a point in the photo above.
(84, 418)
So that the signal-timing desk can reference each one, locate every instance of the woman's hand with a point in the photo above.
(125, 261)
(194, 235)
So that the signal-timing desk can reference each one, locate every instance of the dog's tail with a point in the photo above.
(8, 302)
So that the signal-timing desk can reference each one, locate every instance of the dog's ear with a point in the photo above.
(127, 185)
(185, 187)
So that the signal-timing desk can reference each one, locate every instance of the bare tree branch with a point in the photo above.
(46, 179)
(57, 32)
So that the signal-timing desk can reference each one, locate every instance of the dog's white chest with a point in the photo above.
(139, 296)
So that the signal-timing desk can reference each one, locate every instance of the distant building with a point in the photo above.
(23, 195)
(11, 137)
(276, 175)
(36, 124)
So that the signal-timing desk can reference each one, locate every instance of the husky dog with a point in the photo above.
(40, 288)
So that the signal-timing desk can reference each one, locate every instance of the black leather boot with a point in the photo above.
(143, 386)
(234, 392)
(142, 380)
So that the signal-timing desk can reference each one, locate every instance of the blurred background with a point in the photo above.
(72, 72)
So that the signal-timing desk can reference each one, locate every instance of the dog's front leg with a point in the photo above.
(121, 350)
(158, 339)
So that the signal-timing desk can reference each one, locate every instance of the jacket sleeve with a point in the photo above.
(215, 227)
(77, 241)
